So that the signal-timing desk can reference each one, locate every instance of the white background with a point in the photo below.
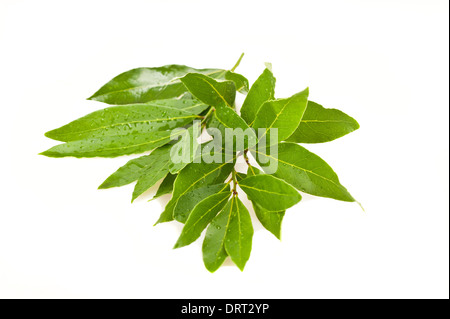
(383, 62)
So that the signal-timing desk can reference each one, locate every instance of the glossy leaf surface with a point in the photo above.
(155, 171)
(147, 84)
(130, 120)
(110, 146)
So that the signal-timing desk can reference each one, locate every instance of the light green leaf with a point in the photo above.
(270, 220)
(128, 173)
(261, 91)
(240, 176)
(130, 119)
(110, 146)
(238, 241)
(194, 175)
(166, 187)
(200, 217)
(157, 169)
(282, 114)
(306, 171)
(321, 125)
(270, 192)
(148, 84)
(210, 91)
(239, 80)
(188, 201)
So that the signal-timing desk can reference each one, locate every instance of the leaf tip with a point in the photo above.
(177, 245)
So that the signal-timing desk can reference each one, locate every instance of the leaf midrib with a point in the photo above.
(301, 168)
(265, 190)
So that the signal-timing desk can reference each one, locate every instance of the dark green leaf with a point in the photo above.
(214, 253)
(194, 175)
(270, 192)
(261, 91)
(306, 171)
(200, 217)
(148, 84)
(188, 201)
(210, 91)
(270, 220)
(321, 125)
(238, 241)
(166, 187)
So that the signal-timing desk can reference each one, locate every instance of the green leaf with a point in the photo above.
(110, 146)
(213, 248)
(239, 80)
(270, 192)
(261, 91)
(200, 217)
(282, 114)
(188, 201)
(306, 171)
(155, 171)
(166, 187)
(227, 118)
(270, 220)
(210, 91)
(130, 119)
(238, 242)
(321, 125)
(148, 84)
(194, 175)
(128, 173)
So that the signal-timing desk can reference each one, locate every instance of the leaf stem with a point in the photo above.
(237, 63)
(233, 177)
